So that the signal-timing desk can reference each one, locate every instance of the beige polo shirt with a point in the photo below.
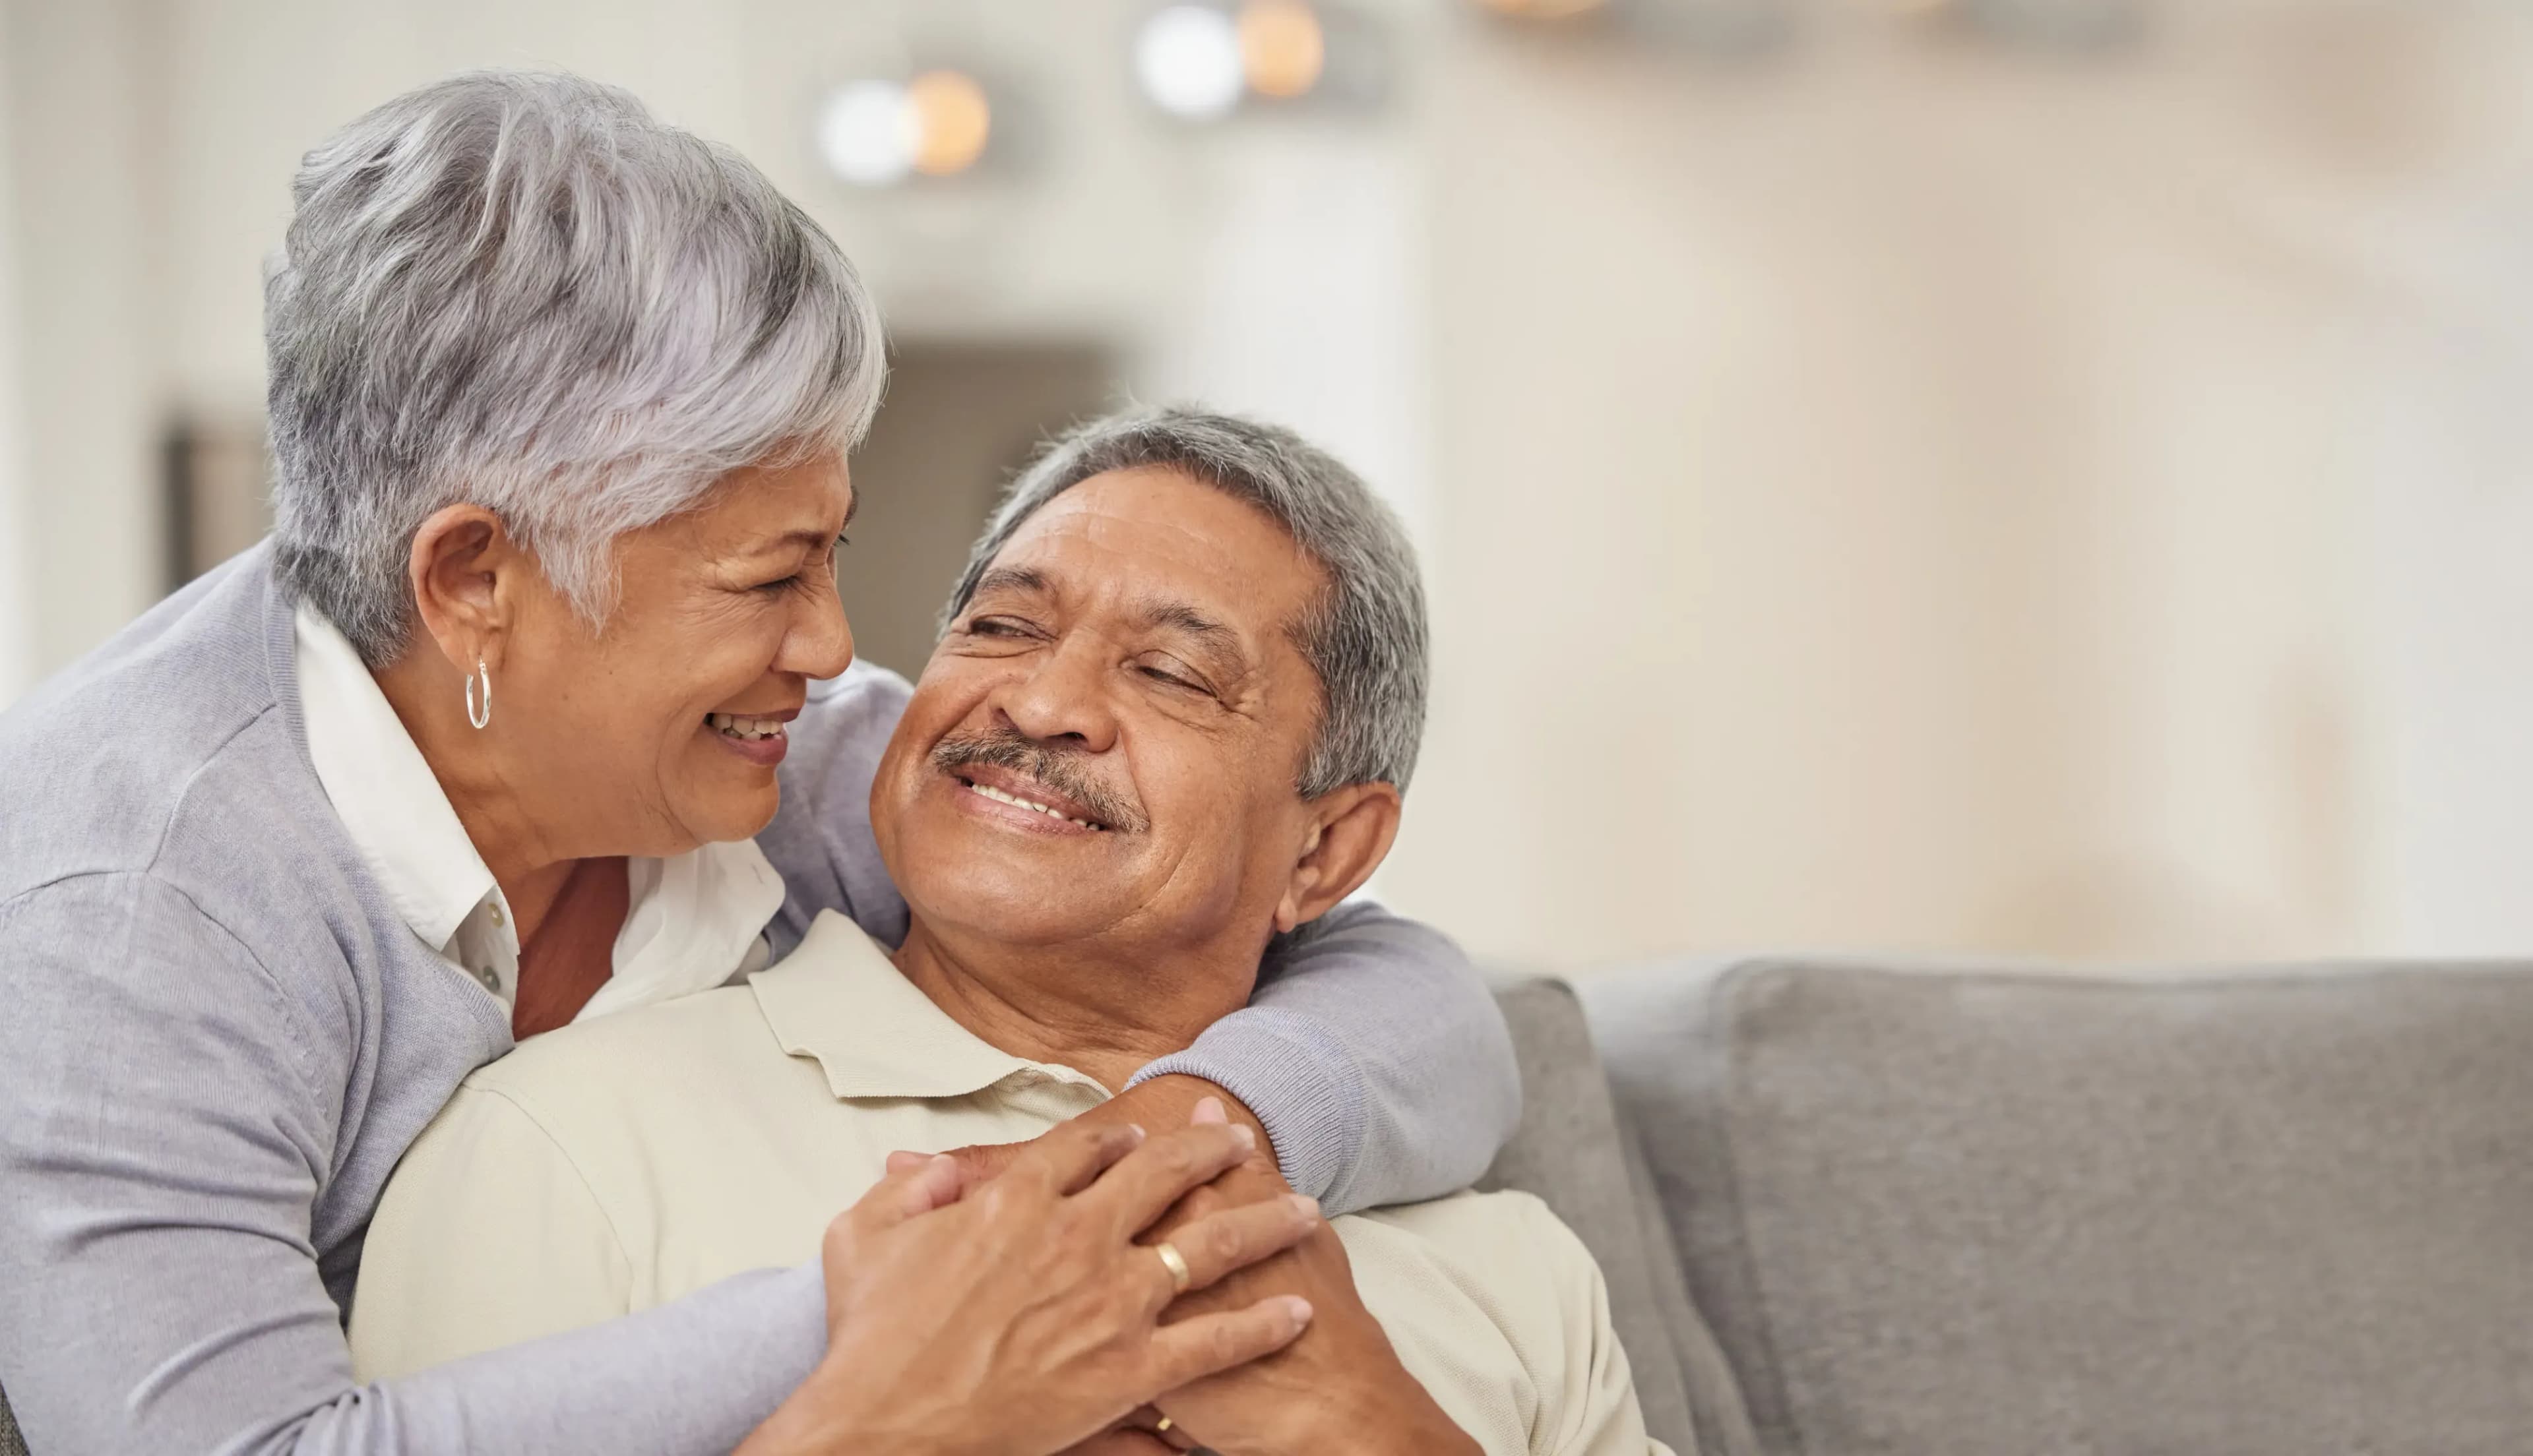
(617, 1164)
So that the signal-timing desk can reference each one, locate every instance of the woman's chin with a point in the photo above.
(728, 807)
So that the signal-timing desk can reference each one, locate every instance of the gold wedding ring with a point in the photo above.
(1163, 1427)
(1176, 1262)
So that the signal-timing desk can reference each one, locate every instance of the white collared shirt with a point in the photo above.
(693, 923)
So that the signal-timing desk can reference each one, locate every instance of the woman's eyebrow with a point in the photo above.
(804, 539)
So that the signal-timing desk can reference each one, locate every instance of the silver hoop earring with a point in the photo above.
(484, 715)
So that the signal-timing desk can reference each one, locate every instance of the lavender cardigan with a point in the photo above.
(217, 1038)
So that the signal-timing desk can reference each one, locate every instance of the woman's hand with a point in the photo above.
(1162, 1102)
(1022, 1318)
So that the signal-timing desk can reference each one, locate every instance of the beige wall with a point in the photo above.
(17, 546)
(1910, 498)
(1895, 496)
(83, 128)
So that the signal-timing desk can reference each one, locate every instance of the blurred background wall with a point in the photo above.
(1901, 475)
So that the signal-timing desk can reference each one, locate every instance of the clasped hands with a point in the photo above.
(1005, 1302)
(1338, 1386)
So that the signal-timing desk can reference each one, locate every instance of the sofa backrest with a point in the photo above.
(1985, 1213)
(1573, 1152)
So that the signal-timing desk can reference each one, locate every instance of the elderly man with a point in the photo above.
(1172, 715)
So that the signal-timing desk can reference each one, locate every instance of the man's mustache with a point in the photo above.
(1006, 747)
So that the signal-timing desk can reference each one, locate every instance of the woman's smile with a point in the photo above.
(758, 737)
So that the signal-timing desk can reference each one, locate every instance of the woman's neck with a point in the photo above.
(524, 863)
(1103, 1013)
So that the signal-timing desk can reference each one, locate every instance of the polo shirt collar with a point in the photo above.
(839, 1000)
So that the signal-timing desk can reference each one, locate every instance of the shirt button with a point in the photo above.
(491, 979)
(497, 915)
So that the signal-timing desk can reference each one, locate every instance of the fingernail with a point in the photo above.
(1248, 1138)
(1299, 1310)
(1306, 1206)
(1210, 1110)
(1135, 1130)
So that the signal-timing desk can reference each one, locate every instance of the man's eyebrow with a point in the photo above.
(1010, 579)
(1212, 636)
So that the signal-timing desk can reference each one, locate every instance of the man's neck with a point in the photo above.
(1095, 1008)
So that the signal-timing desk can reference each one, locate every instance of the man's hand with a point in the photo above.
(1340, 1386)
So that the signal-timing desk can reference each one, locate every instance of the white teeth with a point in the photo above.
(1001, 797)
(745, 728)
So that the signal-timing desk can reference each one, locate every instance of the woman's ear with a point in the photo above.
(464, 569)
(1352, 830)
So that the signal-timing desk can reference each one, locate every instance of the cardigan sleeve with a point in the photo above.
(1373, 1052)
(169, 1120)
(1374, 1056)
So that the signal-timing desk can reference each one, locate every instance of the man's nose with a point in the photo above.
(1063, 696)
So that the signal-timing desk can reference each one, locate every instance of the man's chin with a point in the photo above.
(1003, 915)
(999, 884)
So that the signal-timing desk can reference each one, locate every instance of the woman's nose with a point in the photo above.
(821, 643)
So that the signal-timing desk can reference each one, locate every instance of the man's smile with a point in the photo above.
(1023, 798)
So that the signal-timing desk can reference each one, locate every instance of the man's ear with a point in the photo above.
(466, 572)
(1352, 830)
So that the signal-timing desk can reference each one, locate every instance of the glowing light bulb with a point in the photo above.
(1283, 49)
(1188, 58)
(868, 134)
(952, 120)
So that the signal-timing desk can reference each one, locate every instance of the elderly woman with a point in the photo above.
(475, 746)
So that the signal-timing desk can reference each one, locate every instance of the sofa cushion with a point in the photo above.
(1983, 1213)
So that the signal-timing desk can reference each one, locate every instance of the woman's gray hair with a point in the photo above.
(1366, 637)
(522, 291)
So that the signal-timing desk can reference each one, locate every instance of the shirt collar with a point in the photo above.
(695, 921)
(839, 1000)
(384, 791)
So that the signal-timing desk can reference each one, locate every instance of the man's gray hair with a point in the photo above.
(521, 291)
(1366, 637)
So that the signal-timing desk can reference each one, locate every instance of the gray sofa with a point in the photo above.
(1854, 1211)
(1857, 1210)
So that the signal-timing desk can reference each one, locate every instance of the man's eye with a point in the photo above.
(995, 626)
(774, 588)
(1165, 675)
